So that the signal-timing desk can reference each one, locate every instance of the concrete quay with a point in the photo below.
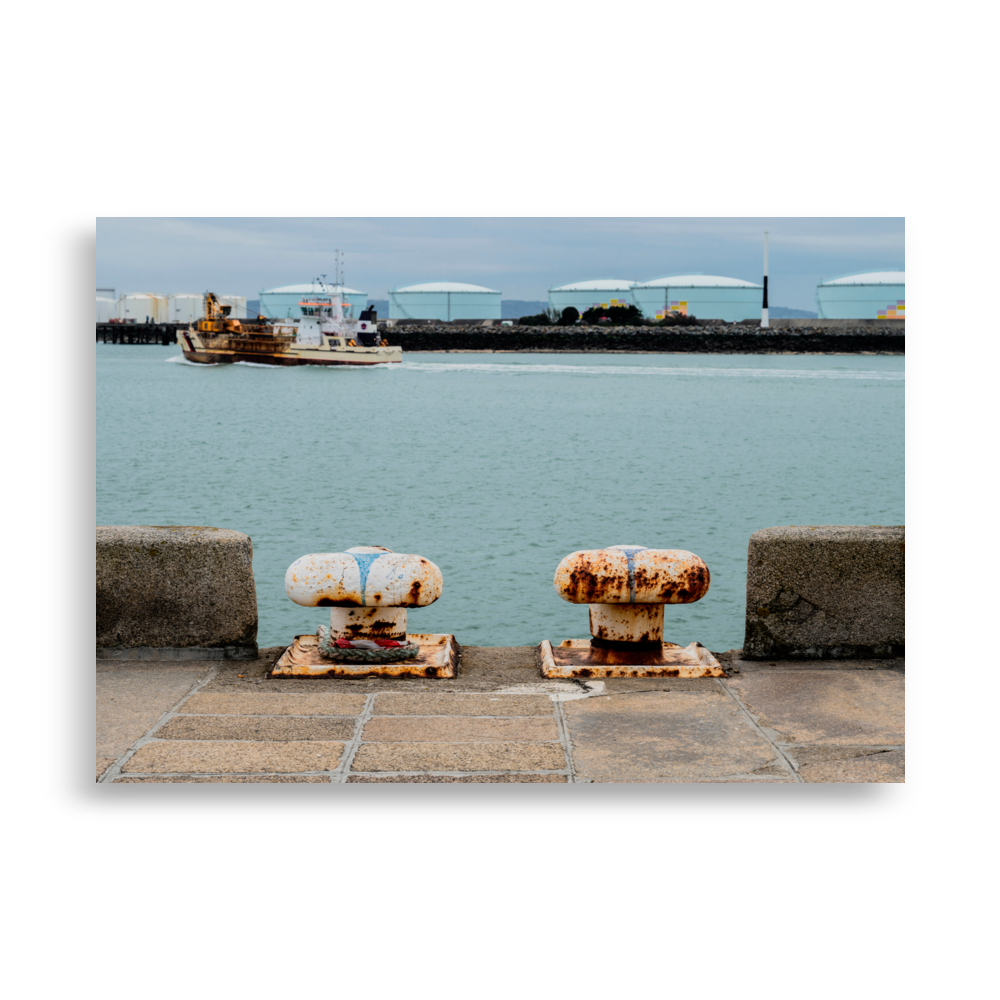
(500, 721)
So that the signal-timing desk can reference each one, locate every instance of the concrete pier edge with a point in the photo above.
(179, 653)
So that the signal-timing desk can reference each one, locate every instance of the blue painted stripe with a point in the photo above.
(630, 559)
(364, 561)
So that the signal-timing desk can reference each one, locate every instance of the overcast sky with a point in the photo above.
(522, 257)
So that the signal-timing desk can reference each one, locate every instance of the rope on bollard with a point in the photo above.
(386, 654)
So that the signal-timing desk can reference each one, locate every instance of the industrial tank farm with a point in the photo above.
(444, 300)
(595, 293)
(185, 308)
(283, 302)
(143, 307)
(107, 309)
(706, 296)
(863, 295)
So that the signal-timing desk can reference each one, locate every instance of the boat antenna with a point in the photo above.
(338, 310)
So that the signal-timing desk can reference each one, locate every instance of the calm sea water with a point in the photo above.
(497, 466)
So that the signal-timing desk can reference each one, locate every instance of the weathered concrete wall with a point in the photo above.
(175, 593)
(826, 592)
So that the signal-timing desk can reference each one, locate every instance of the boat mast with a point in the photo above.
(338, 309)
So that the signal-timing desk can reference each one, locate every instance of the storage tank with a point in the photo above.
(143, 307)
(707, 296)
(107, 309)
(185, 307)
(444, 300)
(863, 295)
(238, 303)
(283, 302)
(596, 292)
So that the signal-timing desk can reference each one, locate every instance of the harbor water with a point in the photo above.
(495, 466)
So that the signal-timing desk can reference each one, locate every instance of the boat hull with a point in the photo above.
(289, 358)
(195, 350)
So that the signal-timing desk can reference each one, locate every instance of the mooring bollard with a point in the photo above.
(626, 587)
(368, 590)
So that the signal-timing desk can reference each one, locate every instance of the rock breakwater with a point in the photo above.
(729, 339)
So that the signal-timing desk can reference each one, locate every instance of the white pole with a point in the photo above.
(763, 312)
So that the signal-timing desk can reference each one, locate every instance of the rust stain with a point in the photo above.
(439, 658)
(580, 658)
(659, 576)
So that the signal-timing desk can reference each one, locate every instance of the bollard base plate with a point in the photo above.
(438, 658)
(578, 658)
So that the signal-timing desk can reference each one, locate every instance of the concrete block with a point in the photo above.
(665, 734)
(263, 730)
(451, 757)
(459, 729)
(827, 707)
(235, 757)
(178, 591)
(826, 592)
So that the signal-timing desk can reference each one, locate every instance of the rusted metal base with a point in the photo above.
(579, 658)
(438, 658)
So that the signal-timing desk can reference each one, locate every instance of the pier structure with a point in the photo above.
(183, 698)
(164, 334)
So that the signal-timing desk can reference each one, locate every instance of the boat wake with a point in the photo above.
(635, 371)
(179, 359)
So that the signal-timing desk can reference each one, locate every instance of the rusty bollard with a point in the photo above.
(368, 590)
(626, 587)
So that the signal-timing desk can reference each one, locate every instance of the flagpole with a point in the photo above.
(763, 314)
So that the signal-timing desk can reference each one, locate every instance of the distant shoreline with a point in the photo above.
(647, 340)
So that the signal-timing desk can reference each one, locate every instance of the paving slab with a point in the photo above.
(227, 779)
(319, 701)
(254, 727)
(445, 779)
(239, 756)
(838, 707)
(693, 781)
(459, 757)
(872, 768)
(463, 704)
(131, 697)
(839, 721)
(452, 729)
(634, 685)
(664, 734)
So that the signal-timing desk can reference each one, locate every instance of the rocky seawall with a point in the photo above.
(729, 339)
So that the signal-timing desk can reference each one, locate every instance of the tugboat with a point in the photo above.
(320, 336)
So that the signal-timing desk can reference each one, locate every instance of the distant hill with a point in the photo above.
(780, 312)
